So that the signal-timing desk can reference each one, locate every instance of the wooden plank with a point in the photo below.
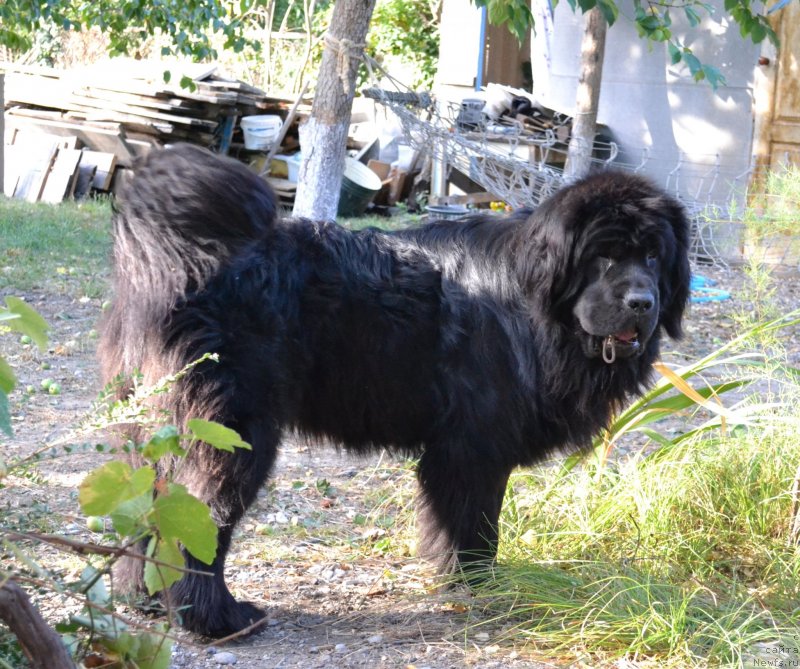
(107, 140)
(141, 124)
(36, 139)
(161, 102)
(56, 94)
(12, 169)
(104, 164)
(220, 98)
(36, 163)
(380, 168)
(9, 133)
(118, 110)
(61, 180)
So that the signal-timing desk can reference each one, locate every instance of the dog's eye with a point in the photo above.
(605, 262)
(652, 258)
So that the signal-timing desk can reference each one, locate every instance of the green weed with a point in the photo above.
(62, 248)
(678, 556)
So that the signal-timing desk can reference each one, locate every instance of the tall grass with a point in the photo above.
(677, 556)
(774, 209)
(61, 248)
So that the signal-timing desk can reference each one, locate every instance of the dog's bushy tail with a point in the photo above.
(185, 213)
(183, 217)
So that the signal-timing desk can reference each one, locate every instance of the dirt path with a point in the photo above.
(327, 548)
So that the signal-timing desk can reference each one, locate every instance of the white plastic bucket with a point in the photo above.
(260, 131)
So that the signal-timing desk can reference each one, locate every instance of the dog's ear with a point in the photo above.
(548, 248)
(675, 280)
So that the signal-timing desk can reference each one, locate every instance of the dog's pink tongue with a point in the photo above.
(627, 336)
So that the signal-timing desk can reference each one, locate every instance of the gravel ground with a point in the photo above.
(340, 588)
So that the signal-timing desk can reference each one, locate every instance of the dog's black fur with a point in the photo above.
(478, 345)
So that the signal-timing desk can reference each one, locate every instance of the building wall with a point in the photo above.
(654, 107)
(459, 43)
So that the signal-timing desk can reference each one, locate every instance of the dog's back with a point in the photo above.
(184, 216)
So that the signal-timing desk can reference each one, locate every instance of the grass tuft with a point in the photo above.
(675, 557)
(63, 248)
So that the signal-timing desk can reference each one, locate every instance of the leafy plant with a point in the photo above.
(657, 405)
(678, 553)
(774, 210)
(142, 503)
(143, 506)
(408, 30)
(19, 317)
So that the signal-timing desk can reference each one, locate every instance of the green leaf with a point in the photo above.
(5, 415)
(155, 651)
(179, 515)
(165, 441)
(160, 577)
(609, 10)
(94, 587)
(714, 76)
(28, 321)
(693, 63)
(675, 53)
(130, 516)
(649, 23)
(216, 435)
(105, 488)
(758, 32)
(188, 82)
(8, 380)
(692, 16)
(124, 643)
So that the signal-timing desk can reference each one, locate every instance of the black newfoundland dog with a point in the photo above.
(477, 345)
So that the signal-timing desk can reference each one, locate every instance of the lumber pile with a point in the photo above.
(71, 132)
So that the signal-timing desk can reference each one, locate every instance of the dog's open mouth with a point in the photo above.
(623, 343)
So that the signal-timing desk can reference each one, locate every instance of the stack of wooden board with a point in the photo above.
(59, 123)
(136, 96)
(47, 168)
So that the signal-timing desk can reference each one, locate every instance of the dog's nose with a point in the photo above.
(639, 301)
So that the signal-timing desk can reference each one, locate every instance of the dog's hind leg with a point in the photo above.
(460, 502)
(229, 484)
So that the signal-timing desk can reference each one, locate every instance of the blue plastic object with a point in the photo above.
(703, 290)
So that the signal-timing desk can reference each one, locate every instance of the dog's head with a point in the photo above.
(608, 259)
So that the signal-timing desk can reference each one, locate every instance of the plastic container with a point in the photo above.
(441, 212)
(261, 131)
(291, 165)
(359, 186)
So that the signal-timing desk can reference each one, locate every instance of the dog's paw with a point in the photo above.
(231, 618)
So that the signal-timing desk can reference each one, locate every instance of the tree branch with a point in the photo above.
(41, 645)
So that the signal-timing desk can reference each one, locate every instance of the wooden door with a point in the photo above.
(777, 95)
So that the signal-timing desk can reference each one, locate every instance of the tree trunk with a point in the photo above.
(41, 645)
(584, 126)
(323, 137)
